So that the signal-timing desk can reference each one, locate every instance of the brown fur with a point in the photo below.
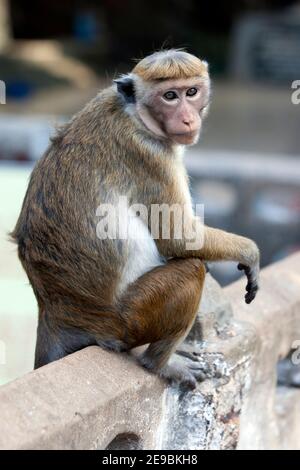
(101, 153)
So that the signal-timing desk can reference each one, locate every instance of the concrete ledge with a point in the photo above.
(81, 402)
(96, 400)
(275, 315)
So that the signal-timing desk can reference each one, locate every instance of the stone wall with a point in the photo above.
(94, 399)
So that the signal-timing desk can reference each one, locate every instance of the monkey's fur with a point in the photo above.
(106, 151)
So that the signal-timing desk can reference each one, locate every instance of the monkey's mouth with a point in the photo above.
(185, 137)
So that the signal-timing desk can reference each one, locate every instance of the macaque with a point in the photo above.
(120, 292)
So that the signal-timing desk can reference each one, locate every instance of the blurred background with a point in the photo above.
(55, 56)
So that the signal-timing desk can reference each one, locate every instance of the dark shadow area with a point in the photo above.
(125, 441)
(288, 372)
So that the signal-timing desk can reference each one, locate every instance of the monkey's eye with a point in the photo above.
(170, 95)
(191, 92)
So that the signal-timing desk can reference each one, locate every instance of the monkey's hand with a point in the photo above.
(250, 265)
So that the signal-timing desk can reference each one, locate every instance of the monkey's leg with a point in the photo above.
(53, 344)
(160, 308)
(212, 244)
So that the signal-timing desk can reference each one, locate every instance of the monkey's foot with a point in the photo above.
(179, 370)
(184, 372)
(212, 364)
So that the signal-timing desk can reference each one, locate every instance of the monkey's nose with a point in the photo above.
(188, 122)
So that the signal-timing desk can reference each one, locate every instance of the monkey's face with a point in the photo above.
(175, 108)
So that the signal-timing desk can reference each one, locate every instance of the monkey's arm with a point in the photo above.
(211, 244)
(221, 245)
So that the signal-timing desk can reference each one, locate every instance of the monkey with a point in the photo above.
(123, 292)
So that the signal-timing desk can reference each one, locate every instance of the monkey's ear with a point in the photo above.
(125, 87)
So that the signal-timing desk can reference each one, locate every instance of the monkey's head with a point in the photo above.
(169, 92)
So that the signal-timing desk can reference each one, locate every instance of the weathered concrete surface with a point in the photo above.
(94, 399)
(275, 315)
(287, 412)
(241, 406)
(81, 402)
(214, 314)
(208, 418)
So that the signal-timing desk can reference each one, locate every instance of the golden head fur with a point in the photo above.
(170, 64)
